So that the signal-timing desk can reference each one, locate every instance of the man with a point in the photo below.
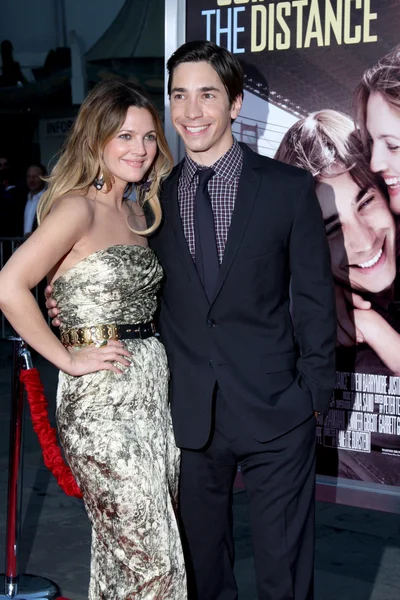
(4, 162)
(243, 388)
(36, 187)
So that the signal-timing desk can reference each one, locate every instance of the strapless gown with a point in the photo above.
(116, 432)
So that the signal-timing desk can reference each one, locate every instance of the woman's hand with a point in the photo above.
(346, 301)
(92, 358)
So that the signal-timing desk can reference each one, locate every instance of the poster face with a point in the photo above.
(303, 60)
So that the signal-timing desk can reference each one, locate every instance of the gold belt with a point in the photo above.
(79, 336)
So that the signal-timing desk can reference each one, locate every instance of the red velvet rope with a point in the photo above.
(47, 435)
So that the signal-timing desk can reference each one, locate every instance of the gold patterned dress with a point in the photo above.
(117, 435)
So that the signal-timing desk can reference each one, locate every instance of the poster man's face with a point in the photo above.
(383, 124)
(201, 112)
(361, 234)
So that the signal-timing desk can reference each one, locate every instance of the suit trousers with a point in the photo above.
(279, 478)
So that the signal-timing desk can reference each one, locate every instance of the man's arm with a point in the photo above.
(314, 313)
(51, 305)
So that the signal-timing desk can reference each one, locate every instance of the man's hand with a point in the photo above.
(347, 334)
(51, 306)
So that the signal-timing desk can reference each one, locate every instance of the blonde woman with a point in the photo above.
(360, 230)
(112, 407)
(377, 108)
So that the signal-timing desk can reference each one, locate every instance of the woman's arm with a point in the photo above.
(380, 335)
(67, 223)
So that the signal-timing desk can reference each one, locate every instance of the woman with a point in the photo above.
(377, 107)
(112, 408)
(359, 227)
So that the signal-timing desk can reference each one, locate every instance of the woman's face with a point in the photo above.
(361, 234)
(383, 124)
(131, 152)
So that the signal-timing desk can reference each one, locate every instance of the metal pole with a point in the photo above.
(175, 33)
(3, 322)
(14, 479)
(23, 587)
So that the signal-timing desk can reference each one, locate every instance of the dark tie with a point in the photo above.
(206, 254)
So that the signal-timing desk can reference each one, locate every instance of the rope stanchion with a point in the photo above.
(47, 435)
(19, 587)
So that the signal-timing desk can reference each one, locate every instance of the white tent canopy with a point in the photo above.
(137, 32)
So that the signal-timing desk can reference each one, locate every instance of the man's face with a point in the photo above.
(33, 181)
(361, 234)
(201, 112)
(4, 163)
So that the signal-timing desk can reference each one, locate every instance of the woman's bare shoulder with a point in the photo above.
(74, 203)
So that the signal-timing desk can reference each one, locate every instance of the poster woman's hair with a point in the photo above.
(384, 78)
(99, 118)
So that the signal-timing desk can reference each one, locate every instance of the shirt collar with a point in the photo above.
(33, 197)
(228, 166)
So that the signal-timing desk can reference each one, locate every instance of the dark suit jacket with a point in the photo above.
(272, 372)
(11, 212)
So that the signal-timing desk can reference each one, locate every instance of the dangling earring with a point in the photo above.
(146, 184)
(99, 182)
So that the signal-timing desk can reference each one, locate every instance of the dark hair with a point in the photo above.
(8, 175)
(222, 61)
(42, 168)
(383, 78)
(6, 50)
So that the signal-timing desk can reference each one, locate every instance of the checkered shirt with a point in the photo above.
(222, 189)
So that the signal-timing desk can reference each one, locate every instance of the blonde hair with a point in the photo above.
(325, 140)
(99, 118)
(384, 78)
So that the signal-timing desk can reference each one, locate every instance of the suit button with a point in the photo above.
(210, 362)
(211, 323)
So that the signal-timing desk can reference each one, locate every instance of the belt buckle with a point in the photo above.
(112, 331)
(138, 332)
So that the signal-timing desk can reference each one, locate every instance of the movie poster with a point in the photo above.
(303, 60)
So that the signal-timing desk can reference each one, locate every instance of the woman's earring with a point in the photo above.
(146, 185)
(98, 182)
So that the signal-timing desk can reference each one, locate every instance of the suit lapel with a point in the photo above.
(173, 219)
(247, 192)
